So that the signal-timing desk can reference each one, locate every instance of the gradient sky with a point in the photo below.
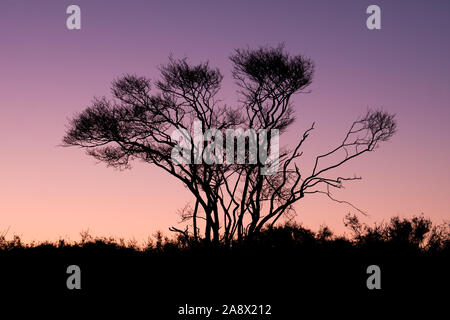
(47, 73)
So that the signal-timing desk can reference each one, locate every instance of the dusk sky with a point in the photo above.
(48, 73)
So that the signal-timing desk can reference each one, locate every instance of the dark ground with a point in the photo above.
(291, 269)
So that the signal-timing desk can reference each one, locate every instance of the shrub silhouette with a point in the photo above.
(279, 261)
(417, 232)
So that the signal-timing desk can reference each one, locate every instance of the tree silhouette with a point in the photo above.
(233, 200)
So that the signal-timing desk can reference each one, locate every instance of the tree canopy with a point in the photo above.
(232, 200)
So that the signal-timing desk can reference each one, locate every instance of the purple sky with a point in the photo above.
(47, 73)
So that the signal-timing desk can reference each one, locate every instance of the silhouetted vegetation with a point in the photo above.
(249, 190)
(279, 266)
(417, 233)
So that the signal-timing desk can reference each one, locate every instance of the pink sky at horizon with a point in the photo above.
(48, 73)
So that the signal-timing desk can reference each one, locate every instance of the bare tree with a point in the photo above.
(232, 200)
